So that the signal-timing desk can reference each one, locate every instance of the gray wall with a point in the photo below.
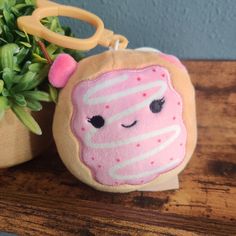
(187, 28)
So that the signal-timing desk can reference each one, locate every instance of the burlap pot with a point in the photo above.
(17, 143)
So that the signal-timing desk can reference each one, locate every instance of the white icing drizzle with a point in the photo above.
(173, 129)
(117, 167)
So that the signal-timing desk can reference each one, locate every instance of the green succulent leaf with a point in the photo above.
(26, 119)
(3, 103)
(38, 95)
(36, 67)
(22, 54)
(51, 49)
(23, 64)
(3, 40)
(39, 78)
(8, 77)
(53, 26)
(11, 2)
(1, 85)
(15, 11)
(2, 4)
(2, 113)
(20, 33)
(9, 17)
(20, 100)
(34, 105)
(38, 58)
(53, 93)
(25, 82)
(28, 45)
(5, 92)
(7, 55)
(25, 67)
(3, 106)
(20, 6)
(30, 1)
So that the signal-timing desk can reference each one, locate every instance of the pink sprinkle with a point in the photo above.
(138, 145)
(107, 106)
(163, 75)
(154, 70)
(181, 144)
(174, 118)
(118, 160)
(179, 103)
(144, 94)
(141, 181)
(171, 158)
(83, 129)
(116, 182)
(152, 162)
(159, 140)
(93, 158)
(99, 166)
(138, 78)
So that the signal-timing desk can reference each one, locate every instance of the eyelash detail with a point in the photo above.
(97, 121)
(157, 105)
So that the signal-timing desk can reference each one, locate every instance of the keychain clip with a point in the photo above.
(104, 37)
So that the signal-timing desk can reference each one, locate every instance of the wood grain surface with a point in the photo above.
(42, 198)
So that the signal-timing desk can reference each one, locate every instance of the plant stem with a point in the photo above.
(44, 51)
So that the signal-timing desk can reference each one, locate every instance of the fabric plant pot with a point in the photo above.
(18, 144)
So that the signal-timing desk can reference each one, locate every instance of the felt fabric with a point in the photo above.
(134, 145)
(71, 122)
(173, 60)
(61, 70)
(17, 144)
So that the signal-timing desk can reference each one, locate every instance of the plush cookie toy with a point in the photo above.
(125, 119)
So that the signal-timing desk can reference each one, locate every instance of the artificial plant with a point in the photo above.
(24, 63)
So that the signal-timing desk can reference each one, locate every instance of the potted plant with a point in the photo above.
(25, 118)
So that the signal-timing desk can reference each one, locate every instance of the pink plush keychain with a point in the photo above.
(125, 119)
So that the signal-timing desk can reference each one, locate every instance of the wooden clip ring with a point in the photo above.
(32, 25)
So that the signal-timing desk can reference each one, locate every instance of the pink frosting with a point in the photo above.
(115, 154)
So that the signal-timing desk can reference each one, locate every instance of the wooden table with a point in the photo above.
(42, 198)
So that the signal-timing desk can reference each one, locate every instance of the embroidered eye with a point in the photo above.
(157, 105)
(97, 121)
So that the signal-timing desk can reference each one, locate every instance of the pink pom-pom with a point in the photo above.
(61, 70)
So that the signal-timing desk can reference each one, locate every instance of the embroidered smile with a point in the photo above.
(129, 126)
